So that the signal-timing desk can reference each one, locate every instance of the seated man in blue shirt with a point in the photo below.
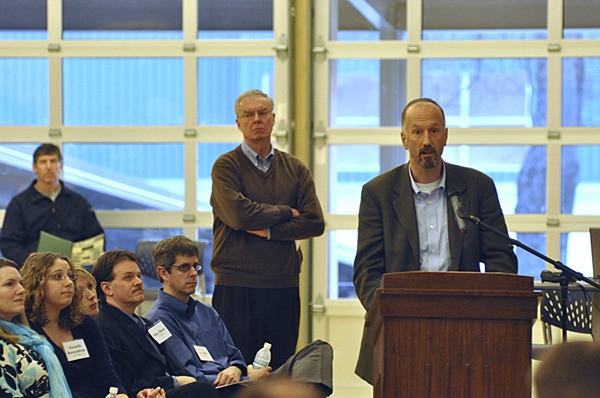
(200, 340)
(137, 351)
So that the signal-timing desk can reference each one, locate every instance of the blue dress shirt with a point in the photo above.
(196, 324)
(432, 222)
(257, 161)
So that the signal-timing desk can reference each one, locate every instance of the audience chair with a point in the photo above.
(578, 315)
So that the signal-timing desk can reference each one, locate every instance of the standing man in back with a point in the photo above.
(47, 205)
(263, 201)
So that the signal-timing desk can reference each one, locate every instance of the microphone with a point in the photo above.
(453, 195)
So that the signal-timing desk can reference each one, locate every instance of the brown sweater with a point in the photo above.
(245, 199)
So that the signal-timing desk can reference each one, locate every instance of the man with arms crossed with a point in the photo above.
(47, 205)
(201, 342)
(263, 201)
(406, 223)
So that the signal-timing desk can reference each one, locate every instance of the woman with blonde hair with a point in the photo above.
(28, 365)
(86, 283)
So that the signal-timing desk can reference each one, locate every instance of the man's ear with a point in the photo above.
(105, 286)
(403, 138)
(162, 272)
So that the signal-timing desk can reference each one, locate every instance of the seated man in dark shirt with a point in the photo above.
(47, 205)
(138, 353)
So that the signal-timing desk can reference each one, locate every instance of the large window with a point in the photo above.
(521, 97)
(139, 95)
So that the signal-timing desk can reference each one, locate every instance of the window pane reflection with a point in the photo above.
(488, 92)
(131, 19)
(529, 264)
(580, 179)
(219, 19)
(216, 95)
(117, 92)
(576, 252)
(484, 20)
(24, 91)
(209, 277)
(581, 19)
(367, 92)
(351, 166)
(342, 249)
(519, 173)
(23, 20)
(581, 92)
(15, 170)
(361, 21)
(207, 154)
(126, 176)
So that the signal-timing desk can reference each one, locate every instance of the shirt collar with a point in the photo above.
(249, 152)
(177, 306)
(413, 183)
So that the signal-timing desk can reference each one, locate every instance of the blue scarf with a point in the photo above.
(29, 338)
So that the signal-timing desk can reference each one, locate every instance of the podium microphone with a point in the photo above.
(569, 272)
(453, 195)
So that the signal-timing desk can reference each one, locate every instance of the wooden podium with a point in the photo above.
(453, 334)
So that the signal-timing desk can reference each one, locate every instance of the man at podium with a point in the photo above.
(414, 217)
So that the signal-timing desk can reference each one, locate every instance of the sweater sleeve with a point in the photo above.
(236, 210)
(311, 222)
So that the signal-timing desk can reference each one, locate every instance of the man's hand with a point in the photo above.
(228, 376)
(157, 392)
(183, 380)
(255, 374)
(263, 233)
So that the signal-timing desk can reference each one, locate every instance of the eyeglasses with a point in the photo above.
(59, 276)
(263, 113)
(186, 267)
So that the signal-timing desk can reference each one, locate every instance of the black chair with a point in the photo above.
(578, 311)
(578, 314)
(151, 283)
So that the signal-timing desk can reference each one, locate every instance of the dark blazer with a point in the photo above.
(138, 362)
(388, 237)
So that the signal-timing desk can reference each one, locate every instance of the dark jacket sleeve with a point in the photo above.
(136, 368)
(13, 235)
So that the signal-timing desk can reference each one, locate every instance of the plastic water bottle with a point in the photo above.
(263, 357)
(112, 392)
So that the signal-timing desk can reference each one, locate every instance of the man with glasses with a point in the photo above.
(263, 201)
(136, 347)
(199, 339)
(47, 205)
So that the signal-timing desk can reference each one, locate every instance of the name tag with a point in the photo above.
(203, 353)
(159, 332)
(76, 350)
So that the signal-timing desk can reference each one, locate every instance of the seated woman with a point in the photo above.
(52, 305)
(28, 366)
(86, 283)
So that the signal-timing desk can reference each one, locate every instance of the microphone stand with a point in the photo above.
(566, 275)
